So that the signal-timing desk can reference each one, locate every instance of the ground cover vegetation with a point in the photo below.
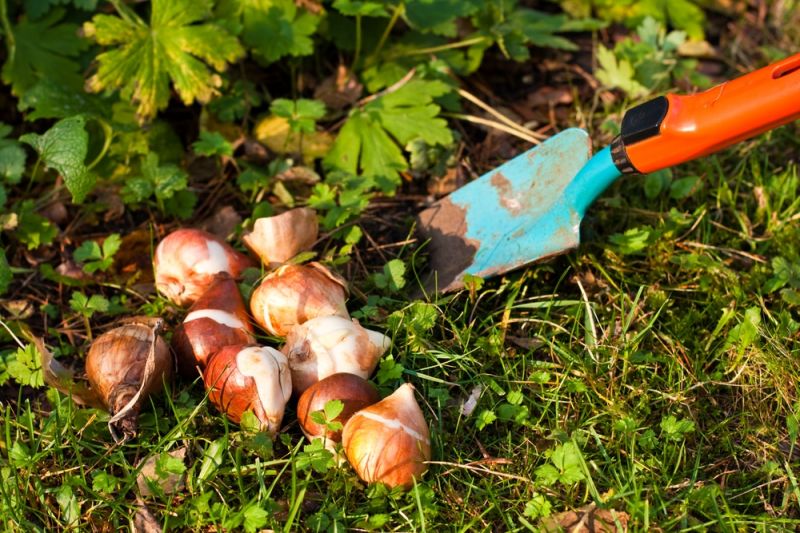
(646, 381)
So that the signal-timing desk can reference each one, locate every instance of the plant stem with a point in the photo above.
(496, 114)
(357, 55)
(441, 48)
(495, 125)
(10, 42)
(126, 13)
(398, 10)
(107, 134)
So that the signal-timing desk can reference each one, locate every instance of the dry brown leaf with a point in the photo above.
(587, 519)
(222, 223)
(339, 90)
(274, 133)
(144, 521)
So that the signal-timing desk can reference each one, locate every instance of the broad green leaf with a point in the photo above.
(438, 16)
(51, 99)
(301, 114)
(171, 48)
(618, 73)
(63, 147)
(211, 143)
(12, 157)
(87, 306)
(681, 14)
(44, 49)
(272, 29)
(365, 9)
(37, 8)
(104, 482)
(368, 142)
(632, 241)
(675, 429)
(70, 508)
(25, 366)
(255, 517)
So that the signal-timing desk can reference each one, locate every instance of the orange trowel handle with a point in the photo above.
(673, 129)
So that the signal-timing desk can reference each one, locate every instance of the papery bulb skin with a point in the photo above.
(328, 345)
(354, 392)
(389, 442)
(186, 261)
(117, 367)
(278, 238)
(217, 319)
(249, 378)
(293, 294)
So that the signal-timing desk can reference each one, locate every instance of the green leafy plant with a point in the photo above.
(649, 64)
(171, 48)
(64, 148)
(370, 143)
(95, 256)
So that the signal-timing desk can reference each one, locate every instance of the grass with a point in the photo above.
(652, 373)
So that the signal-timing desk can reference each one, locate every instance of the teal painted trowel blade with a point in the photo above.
(528, 209)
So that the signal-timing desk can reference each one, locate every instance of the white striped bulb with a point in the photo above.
(327, 345)
(217, 319)
(293, 294)
(249, 378)
(389, 441)
(186, 261)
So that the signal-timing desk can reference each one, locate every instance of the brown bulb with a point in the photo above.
(217, 319)
(293, 294)
(354, 392)
(389, 441)
(186, 261)
(279, 238)
(127, 364)
(249, 378)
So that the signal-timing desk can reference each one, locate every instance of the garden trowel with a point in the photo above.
(531, 207)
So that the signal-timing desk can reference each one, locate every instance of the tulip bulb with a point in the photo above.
(354, 392)
(328, 345)
(389, 442)
(127, 364)
(217, 319)
(293, 294)
(277, 239)
(186, 261)
(249, 378)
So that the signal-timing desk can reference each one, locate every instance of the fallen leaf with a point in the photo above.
(144, 521)
(274, 133)
(170, 484)
(339, 90)
(587, 519)
(223, 222)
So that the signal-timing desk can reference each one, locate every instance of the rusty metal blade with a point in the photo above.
(525, 210)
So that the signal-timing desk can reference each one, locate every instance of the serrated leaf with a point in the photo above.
(255, 517)
(63, 147)
(368, 142)
(211, 143)
(272, 29)
(171, 48)
(104, 482)
(43, 49)
(25, 367)
(618, 73)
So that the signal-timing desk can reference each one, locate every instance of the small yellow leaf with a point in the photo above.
(274, 133)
